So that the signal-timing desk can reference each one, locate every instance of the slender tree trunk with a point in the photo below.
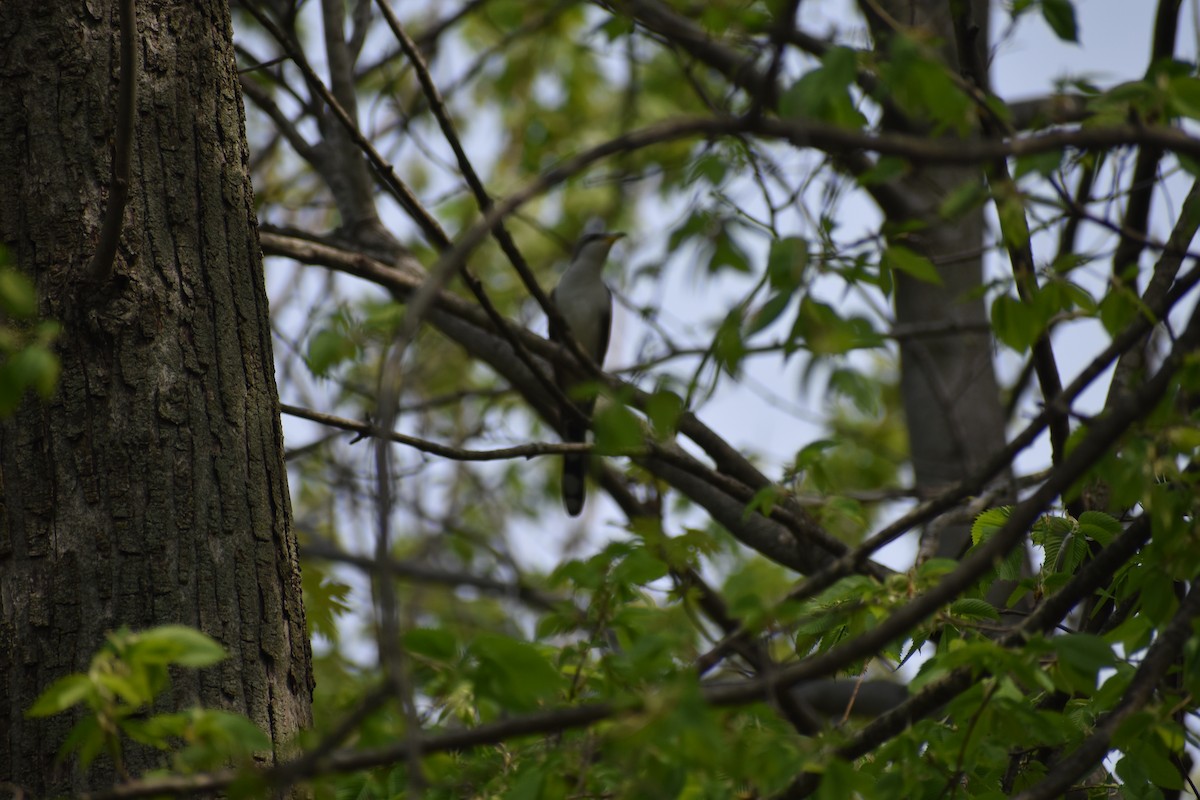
(951, 397)
(152, 488)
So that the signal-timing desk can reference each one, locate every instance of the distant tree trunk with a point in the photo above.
(152, 488)
(951, 397)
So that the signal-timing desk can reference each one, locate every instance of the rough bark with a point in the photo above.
(152, 488)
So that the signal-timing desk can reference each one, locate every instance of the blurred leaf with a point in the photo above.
(327, 349)
(1044, 164)
(823, 93)
(176, 644)
(787, 262)
(768, 312)
(967, 197)
(18, 297)
(617, 429)
(64, 693)
(432, 643)
(664, 408)
(898, 257)
(1060, 16)
(513, 673)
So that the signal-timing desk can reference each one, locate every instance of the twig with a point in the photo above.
(530, 450)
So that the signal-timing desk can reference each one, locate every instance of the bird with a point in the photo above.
(584, 301)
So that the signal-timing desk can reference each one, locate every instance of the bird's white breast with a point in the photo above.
(585, 303)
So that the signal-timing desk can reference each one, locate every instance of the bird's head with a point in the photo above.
(596, 245)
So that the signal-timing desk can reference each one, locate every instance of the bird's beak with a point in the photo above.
(612, 238)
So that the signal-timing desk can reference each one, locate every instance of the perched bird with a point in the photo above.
(585, 302)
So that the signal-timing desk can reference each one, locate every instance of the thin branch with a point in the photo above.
(526, 451)
(1014, 227)
(424, 573)
(1167, 647)
(1048, 613)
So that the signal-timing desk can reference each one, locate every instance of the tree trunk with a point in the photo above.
(152, 488)
(951, 397)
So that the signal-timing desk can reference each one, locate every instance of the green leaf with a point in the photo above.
(768, 312)
(764, 501)
(728, 346)
(515, 674)
(966, 198)
(18, 297)
(34, 367)
(231, 733)
(175, 644)
(132, 689)
(639, 568)
(886, 169)
(1010, 208)
(618, 430)
(1060, 16)
(861, 390)
(327, 349)
(87, 738)
(974, 608)
(1184, 96)
(1044, 164)
(1085, 652)
(64, 693)
(664, 408)
(727, 254)
(899, 257)
(787, 262)
(823, 93)
(1015, 323)
(1099, 526)
(432, 643)
(839, 781)
(987, 525)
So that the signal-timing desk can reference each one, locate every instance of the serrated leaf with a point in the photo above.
(1099, 526)
(987, 523)
(513, 673)
(974, 608)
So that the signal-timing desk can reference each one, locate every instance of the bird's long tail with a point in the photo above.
(574, 471)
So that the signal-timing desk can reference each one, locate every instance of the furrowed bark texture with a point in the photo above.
(152, 488)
